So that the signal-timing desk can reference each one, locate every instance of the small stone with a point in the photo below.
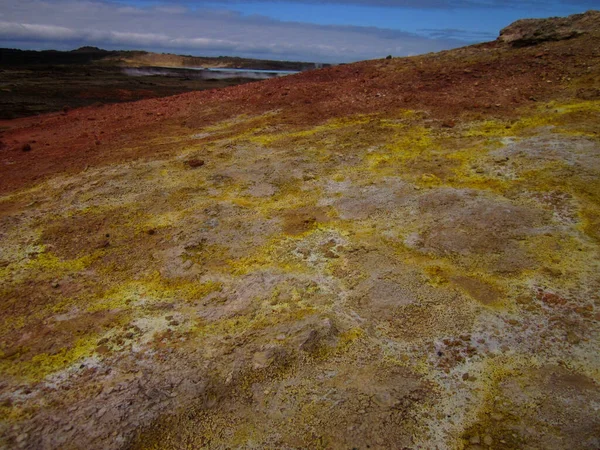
(449, 124)
(22, 437)
(330, 255)
(102, 349)
(270, 356)
(280, 337)
(103, 244)
(475, 439)
(465, 376)
(487, 440)
(572, 338)
(194, 163)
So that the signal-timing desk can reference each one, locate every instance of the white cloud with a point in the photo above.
(71, 23)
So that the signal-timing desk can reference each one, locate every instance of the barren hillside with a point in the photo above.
(396, 253)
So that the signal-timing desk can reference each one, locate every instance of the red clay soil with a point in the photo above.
(486, 80)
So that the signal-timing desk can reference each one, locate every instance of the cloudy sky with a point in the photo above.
(310, 30)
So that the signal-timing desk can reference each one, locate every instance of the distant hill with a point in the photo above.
(94, 55)
(10, 57)
(88, 49)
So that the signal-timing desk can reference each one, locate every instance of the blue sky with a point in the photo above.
(483, 19)
(324, 30)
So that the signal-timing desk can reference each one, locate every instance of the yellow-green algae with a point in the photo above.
(43, 364)
(153, 289)
(554, 114)
(132, 297)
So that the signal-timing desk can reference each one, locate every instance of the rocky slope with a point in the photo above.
(391, 254)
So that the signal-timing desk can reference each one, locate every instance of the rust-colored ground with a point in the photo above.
(484, 81)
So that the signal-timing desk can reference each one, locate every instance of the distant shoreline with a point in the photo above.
(134, 58)
(205, 73)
